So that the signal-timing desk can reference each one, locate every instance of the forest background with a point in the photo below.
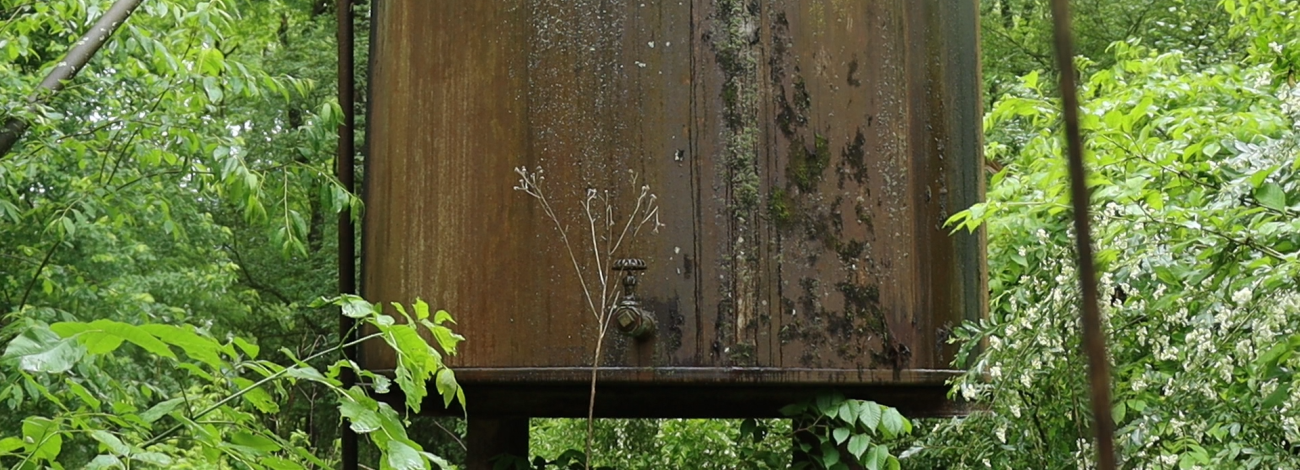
(167, 221)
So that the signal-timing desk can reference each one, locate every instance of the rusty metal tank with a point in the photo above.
(804, 154)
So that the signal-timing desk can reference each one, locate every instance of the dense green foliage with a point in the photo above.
(829, 432)
(670, 443)
(214, 416)
(1194, 175)
(1016, 35)
(183, 178)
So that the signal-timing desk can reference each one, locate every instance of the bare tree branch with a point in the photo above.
(67, 69)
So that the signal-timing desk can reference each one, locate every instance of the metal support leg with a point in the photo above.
(489, 438)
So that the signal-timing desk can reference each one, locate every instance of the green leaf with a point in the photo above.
(249, 348)
(1270, 195)
(103, 462)
(840, 435)
(110, 441)
(830, 455)
(869, 415)
(1030, 79)
(211, 61)
(1257, 179)
(10, 444)
(876, 458)
(748, 427)
(1279, 395)
(362, 420)
(199, 348)
(43, 437)
(1275, 353)
(310, 373)
(356, 307)
(447, 387)
(858, 445)
(305, 454)
(421, 309)
(213, 90)
(98, 343)
(152, 458)
(402, 310)
(401, 456)
(825, 406)
(258, 397)
(447, 340)
(847, 412)
(105, 335)
(196, 370)
(69, 227)
(253, 441)
(416, 362)
(892, 422)
(277, 463)
(1211, 149)
(1156, 199)
(161, 409)
(83, 394)
(40, 350)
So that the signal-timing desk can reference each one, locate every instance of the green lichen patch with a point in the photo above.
(805, 168)
(787, 120)
(802, 99)
(744, 171)
(864, 216)
(851, 251)
(854, 156)
(861, 298)
(734, 36)
(862, 302)
(742, 354)
(780, 208)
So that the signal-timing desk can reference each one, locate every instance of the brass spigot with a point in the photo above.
(630, 318)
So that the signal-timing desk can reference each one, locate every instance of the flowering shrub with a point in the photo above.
(1194, 172)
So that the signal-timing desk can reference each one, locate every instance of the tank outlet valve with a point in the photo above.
(628, 315)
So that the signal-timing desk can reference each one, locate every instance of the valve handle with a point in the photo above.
(629, 264)
(631, 319)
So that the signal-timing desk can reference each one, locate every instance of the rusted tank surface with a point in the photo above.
(804, 154)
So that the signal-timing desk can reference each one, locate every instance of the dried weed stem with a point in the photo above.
(598, 209)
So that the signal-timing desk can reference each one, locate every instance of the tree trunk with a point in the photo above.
(67, 69)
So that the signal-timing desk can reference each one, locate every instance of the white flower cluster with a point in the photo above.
(1193, 298)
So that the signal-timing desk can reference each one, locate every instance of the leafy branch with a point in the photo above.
(835, 433)
(72, 63)
(59, 353)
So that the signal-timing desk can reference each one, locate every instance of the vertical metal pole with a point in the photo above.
(345, 160)
(1094, 339)
(489, 438)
